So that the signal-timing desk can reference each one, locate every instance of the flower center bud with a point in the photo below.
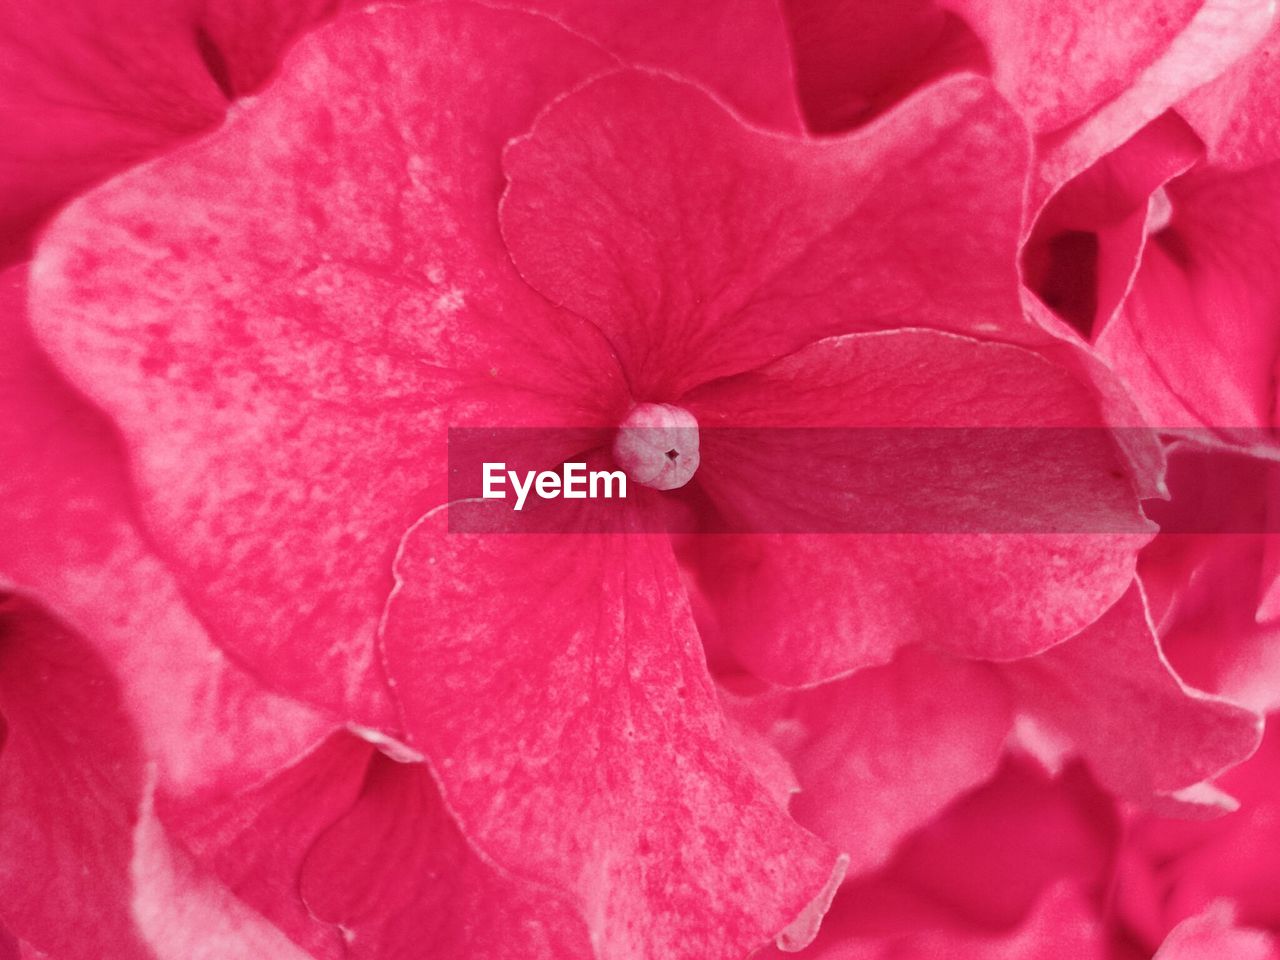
(657, 445)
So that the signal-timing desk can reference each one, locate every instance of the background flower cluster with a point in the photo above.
(268, 688)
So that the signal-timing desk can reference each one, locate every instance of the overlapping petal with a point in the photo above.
(1213, 935)
(1014, 868)
(1057, 63)
(90, 87)
(1218, 35)
(856, 59)
(291, 303)
(1089, 73)
(707, 42)
(71, 540)
(1013, 538)
(1236, 113)
(1196, 336)
(71, 781)
(588, 646)
(707, 254)
(354, 855)
(1142, 730)
(879, 754)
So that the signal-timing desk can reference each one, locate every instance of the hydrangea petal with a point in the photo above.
(71, 778)
(185, 914)
(854, 60)
(1236, 113)
(1204, 587)
(578, 738)
(1063, 923)
(1143, 731)
(1196, 335)
(796, 614)
(879, 754)
(274, 316)
(1214, 935)
(71, 540)
(354, 855)
(89, 87)
(708, 253)
(394, 871)
(1082, 255)
(1219, 33)
(254, 839)
(1190, 865)
(1057, 62)
(706, 42)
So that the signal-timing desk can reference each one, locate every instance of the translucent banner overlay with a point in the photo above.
(864, 480)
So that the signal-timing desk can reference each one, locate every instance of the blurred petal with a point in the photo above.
(1142, 730)
(1214, 935)
(881, 753)
(89, 87)
(70, 785)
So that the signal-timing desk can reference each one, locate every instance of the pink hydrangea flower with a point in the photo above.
(268, 687)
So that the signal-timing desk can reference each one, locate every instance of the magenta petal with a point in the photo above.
(277, 340)
(1214, 935)
(1082, 255)
(184, 912)
(556, 684)
(394, 871)
(1237, 114)
(881, 753)
(88, 87)
(702, 247)
(1065, 923)
(1189, 865)
(882, 920)
(854, 60)
(1219, 33)
(71, 540)
(254, 839)
(993, 854)
(708, 42)
(70, 785)
(1142, 730)
(799, 608)
(1056, 62)
(1197, 336)
(242, 41)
